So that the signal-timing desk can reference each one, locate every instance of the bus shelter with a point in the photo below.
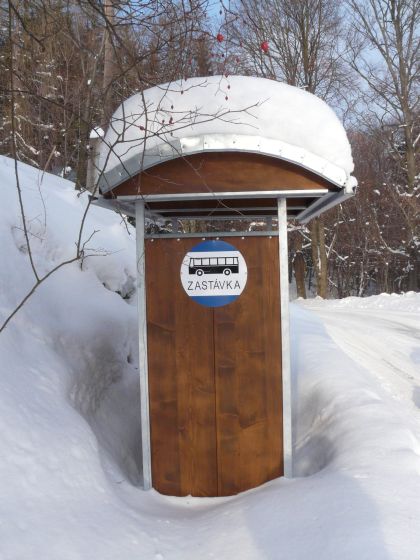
(212, 169)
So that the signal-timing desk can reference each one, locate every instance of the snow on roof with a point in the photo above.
(96, 132)
(219, 113)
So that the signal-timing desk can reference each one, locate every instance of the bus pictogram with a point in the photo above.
(213, 265)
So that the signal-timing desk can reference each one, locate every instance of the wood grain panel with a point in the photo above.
(227, 171)
(214, 376)
(248, 374)
(181, 378)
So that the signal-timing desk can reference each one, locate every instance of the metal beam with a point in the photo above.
(225, 218)
(128, 208)
(212, 195)
(322, 205)
(143, 159)
(217, 218)
(205, 234)
(285, 338)
(143, 363)
(224, 209)
(214, 218)
(116, 205)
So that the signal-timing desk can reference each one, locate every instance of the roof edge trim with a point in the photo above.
(170, 150)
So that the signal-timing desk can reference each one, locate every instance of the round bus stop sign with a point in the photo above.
(214, 273)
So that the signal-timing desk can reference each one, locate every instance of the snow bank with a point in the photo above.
(69, 469)
(237, 112)
(410, 301)
(69, 390)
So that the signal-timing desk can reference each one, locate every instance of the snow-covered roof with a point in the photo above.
(219, 113)
(96, 132)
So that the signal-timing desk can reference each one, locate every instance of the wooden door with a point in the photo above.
(214, 375)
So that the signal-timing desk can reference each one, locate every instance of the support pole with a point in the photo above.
(285, 337)
(142, 326)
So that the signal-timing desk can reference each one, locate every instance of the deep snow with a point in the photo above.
(239, 112)
(69, 467)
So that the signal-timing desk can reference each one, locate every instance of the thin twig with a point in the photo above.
(13, 144)
(33, 290)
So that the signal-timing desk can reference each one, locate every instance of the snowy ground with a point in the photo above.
(69, 467)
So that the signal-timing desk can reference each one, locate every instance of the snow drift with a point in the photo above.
(219, 113)
(70, 442)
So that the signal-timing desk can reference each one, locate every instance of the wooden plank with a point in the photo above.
(214, 376)
(181, 378)
(227, 171)
(248, 374)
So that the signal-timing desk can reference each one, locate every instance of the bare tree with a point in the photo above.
(297, 41)
(56, 81)
(303, 47)
(385, 50)
(174, 45)
(74, 63)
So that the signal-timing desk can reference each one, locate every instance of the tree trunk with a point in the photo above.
(299, 268)
(315, 253)
(319, 256)
(414, 273)
(109, 62)
(322, 287)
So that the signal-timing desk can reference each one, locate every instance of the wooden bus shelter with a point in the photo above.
(214, 377)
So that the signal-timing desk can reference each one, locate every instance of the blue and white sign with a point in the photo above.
(214, 273)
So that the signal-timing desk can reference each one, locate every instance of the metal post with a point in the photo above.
(285, 337)
(142, 326)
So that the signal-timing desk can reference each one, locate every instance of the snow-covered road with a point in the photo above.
(385, 342)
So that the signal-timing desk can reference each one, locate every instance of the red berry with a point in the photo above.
(264, 46)
(219, 38)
